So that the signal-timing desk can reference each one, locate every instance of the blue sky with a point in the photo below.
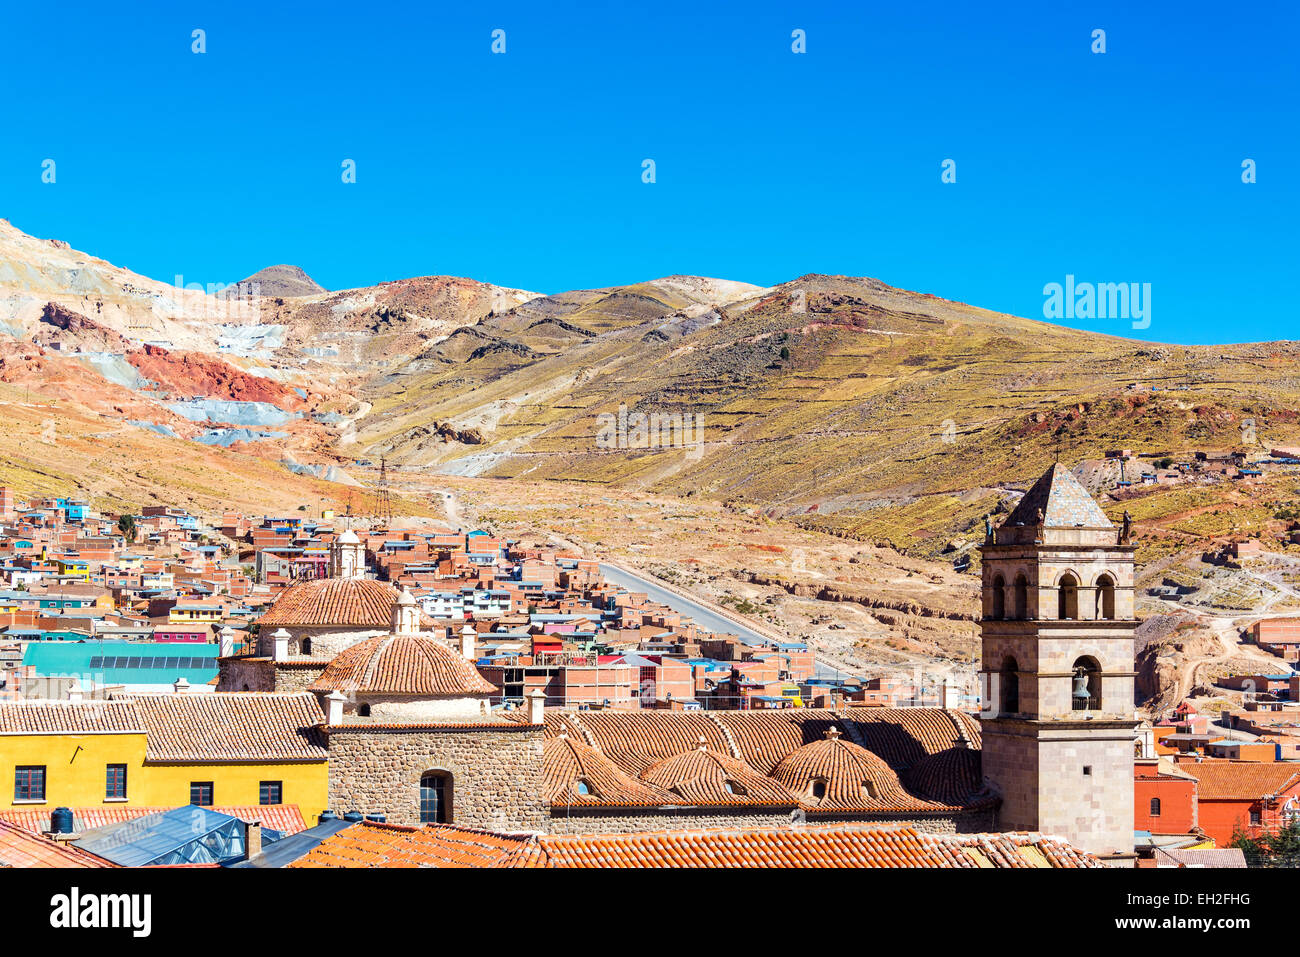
(525, 168)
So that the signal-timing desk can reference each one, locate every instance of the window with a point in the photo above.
(29, 783)
(1021, 603)
(1105, 597)
(736, 788)
(1155, 807)
(1009, 692)
(819, 788)
(1087, 770)
(1067, 597)
(201, 793)
(581, 787)
(869, 788)
(1085, 689)
(1255, 818)
(306, 646)
(270, 792)
(435, 797)
(364, 710)
(999, 597)
(115, 783)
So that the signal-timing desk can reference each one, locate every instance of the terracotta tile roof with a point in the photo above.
(356, 602)
(852, 777)
(954, 776)
(38, 717)
(805, 847)
(21, 848)
(402, 664)
(704, 776)
(566, 761)
(232, 726)
(901, 736)
(1240, 780)
(279, 817)
(1065, 503)
(1200, 857)
(929, 752)
(369, 844)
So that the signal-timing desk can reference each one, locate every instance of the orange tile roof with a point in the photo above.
(355, 602)
(232, 726)
(566, 761)
(370, 844)
(21, 848)
(1240, 780)
(704, 776)
(279, 817)
(916, 759)
(402, 664)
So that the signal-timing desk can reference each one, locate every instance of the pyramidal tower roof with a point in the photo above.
(1064, 501)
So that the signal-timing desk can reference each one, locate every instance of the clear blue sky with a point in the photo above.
(525, 168)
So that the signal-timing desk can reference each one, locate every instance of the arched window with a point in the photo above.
(306, 646)
(1155, 807)
(364, 710)
(435, 797)
(1067, 597)
(1105, 597)
(1009, 690)
(818, 788)
(869, 788)
(736, 788)
(1087, 678)
(1021, 603)
(999, 597)
(581, 787)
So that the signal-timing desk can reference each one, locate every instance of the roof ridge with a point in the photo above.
(726, 734)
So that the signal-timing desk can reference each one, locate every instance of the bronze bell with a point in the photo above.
(1081, 685)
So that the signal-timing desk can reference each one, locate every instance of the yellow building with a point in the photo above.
(214, 749)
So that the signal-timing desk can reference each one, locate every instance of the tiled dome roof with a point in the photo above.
(846, 776)
(358, 602)
(707, 777)
(568, 764)
(954, 776)
(1062, 500)
(404, 665)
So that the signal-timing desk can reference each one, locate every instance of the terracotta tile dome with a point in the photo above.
(706, 776)
(569, 766)
(343, 602)
(402, 665)
(834, 774)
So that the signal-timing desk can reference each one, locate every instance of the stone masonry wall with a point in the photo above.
(496, 774)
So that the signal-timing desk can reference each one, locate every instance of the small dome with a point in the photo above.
(340, 602)
(403, 665)
(954, 776)
(575, 773)
(709, 777)
(834, 774)
(348, 537)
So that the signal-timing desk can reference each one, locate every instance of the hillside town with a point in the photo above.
(337, 692)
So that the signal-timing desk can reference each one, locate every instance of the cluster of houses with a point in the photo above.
(1203, 467)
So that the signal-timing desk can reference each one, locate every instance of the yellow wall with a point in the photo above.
(76, 765)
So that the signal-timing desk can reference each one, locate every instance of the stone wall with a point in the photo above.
(496, 773)
(263, 674)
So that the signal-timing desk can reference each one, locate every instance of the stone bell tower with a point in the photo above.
(1058, 721)
(347, 556)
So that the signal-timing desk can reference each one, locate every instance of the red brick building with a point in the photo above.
(1250, 797)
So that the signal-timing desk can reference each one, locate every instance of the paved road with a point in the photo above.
(703, 616)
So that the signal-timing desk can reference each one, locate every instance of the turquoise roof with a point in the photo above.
(124, 662)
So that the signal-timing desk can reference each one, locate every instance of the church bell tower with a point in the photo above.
(1057, 720)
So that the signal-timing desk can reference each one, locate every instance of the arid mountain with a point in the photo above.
(277, 281)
